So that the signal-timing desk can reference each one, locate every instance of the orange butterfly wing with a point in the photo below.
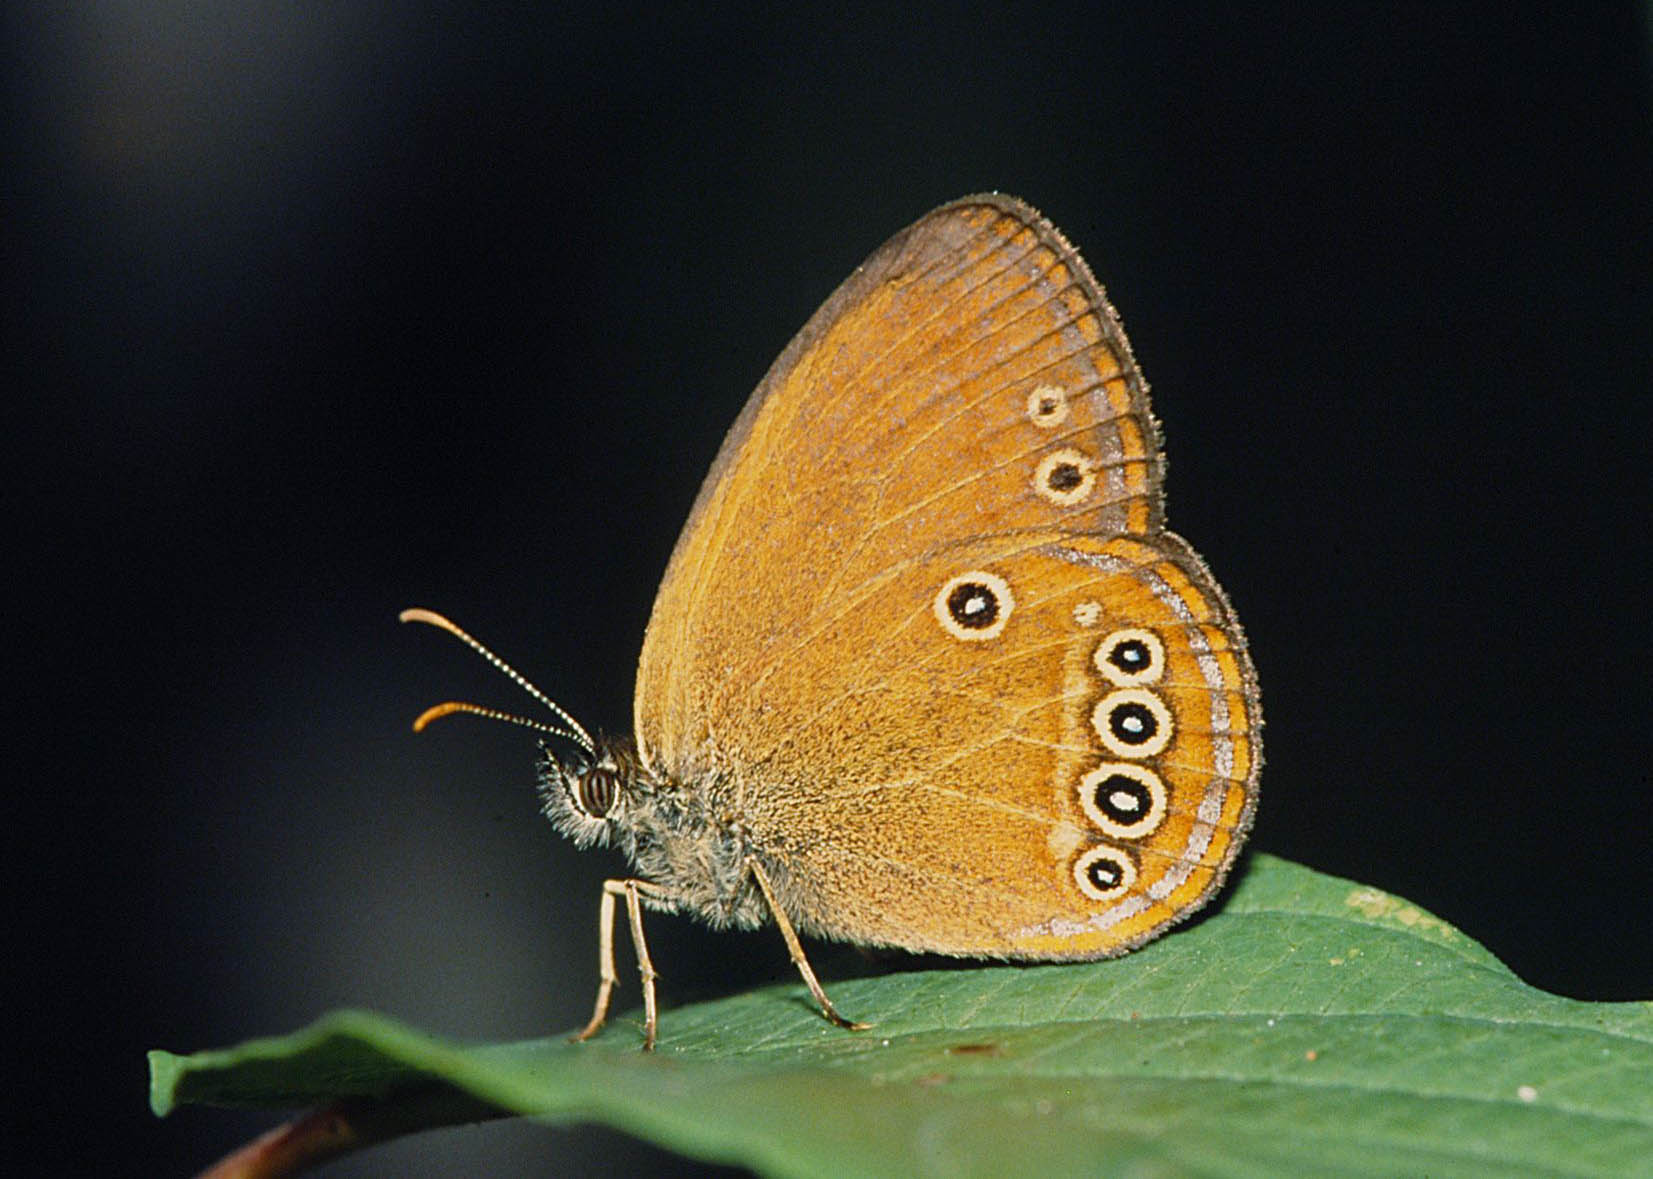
(877, 647)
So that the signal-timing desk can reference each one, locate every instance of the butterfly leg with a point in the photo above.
(632, 890)
(795, 949)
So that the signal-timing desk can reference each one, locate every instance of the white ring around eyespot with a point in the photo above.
(1066, 457)
(1003, 600)
(1155, 706)
(1148, 824)
(1081, 873)
(1131, 679)
(1053, 417)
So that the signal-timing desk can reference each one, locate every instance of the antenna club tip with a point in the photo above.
(435, 713)
(416, 614)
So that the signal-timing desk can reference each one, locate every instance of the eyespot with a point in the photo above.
(1104, 873)
(1047, 406)
(1132, 722)
(596, 791)
(1125, 801)
(1131, 657)
(974, 606)
(1065, 477)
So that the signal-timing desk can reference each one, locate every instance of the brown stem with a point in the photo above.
(348, 1125)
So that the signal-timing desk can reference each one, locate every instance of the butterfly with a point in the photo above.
(926, 669)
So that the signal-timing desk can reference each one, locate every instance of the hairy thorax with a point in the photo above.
(681, 836)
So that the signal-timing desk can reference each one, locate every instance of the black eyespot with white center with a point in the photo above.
(1065, 477)
(1132, 722)
(1131, 657)
(1104, 873)
(1047, 406)
(1125, 801)
(974, 606)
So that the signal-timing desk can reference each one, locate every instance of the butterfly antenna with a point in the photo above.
(575, 731)
(437, 711)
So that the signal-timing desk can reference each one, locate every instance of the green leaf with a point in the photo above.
(1313, 1025)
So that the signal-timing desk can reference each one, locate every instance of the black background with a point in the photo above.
(317, 311)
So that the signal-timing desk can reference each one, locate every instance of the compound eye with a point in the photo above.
(596, 791)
